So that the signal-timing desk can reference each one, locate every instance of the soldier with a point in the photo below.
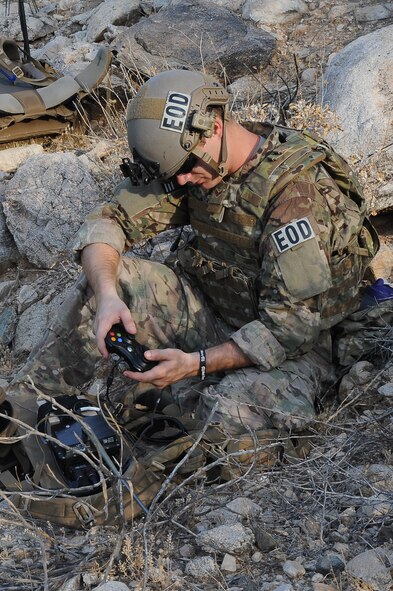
(246, 304)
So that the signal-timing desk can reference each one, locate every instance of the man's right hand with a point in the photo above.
(111, 310)
(100, 263)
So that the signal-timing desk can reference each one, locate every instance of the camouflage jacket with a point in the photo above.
(278, 248)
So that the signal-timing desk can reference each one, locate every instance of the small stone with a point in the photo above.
(293, 569)
(112, 586)
(227, 538)
(242, 582)
(386, 390)
(187, 551)
(244, 507)
(283, 587)
(263, 540)
(330, 564)
(201, 567)
(348, 516)
(317, 578)
(361, 372)
(229, 563)
(257, 557)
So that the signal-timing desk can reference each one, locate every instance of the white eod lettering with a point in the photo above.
(175, 111)
(293, 234)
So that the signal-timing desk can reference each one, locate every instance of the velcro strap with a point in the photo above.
(148, 108)
(224, 235)
(31, 102)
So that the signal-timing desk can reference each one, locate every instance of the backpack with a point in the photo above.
(120, 474)
(36, 100)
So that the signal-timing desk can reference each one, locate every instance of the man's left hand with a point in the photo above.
(173, 365)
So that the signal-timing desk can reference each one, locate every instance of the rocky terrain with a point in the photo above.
(324, 523)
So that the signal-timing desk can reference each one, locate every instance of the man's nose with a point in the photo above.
(183, 179)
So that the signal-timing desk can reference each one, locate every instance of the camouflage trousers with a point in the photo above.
(169, 312)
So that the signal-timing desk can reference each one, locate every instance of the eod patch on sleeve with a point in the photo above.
(304, 270)
(293, 234)
(175, 111)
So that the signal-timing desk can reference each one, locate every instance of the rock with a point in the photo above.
(365, 117)
(27, 296)
(283, 587)
(233, 46)
(242, 582)
(361, 372)
(187, 551)
(229, 563)
(112, 586)
(377, 505)
(380, 476)
(257, 557)
(371, 570)
(33, 322)
(6, 288)
(43, 206)
(293, 569)
(382, 264)
(7, 325)
(244, 506)
(72, 584)
(263, 539)
(8, 250)
(111, 12)
(11, 158)
(202, 567)
(265, 12)
(330, 564)
(378, 12)
(226, 538)
(386, 390)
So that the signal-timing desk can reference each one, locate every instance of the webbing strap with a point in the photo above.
(231, 237)
(242, 219)
(31, 102)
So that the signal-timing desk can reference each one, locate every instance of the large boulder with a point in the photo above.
(266, 12)
(359, 88)
(46, 202)
(111, 12)
(195, 34)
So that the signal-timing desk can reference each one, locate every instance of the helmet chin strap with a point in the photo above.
(220, 168)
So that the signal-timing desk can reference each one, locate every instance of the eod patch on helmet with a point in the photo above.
(175, 111)
(168, 118)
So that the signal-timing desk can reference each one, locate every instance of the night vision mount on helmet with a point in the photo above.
(168, 118)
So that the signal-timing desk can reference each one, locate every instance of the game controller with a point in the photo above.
(126, 346)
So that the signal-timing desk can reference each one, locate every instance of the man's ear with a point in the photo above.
(218, 127)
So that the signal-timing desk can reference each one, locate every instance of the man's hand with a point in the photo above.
(174, 365)
(101, 264)
(111, 310)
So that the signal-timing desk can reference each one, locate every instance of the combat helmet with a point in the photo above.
(167, 119)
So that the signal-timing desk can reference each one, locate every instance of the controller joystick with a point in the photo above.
(125, 345)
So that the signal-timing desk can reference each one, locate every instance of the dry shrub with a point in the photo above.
(316, 117)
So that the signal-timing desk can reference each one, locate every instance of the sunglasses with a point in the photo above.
(188, 165)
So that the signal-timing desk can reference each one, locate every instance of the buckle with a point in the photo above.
(84, 514)
(17, 71)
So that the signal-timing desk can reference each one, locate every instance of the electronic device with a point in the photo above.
(125, 345)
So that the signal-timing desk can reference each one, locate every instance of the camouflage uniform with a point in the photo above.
(276, 259)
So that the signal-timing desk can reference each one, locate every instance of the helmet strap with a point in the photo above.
(219, 167)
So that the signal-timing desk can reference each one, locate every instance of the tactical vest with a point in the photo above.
(233, 224)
